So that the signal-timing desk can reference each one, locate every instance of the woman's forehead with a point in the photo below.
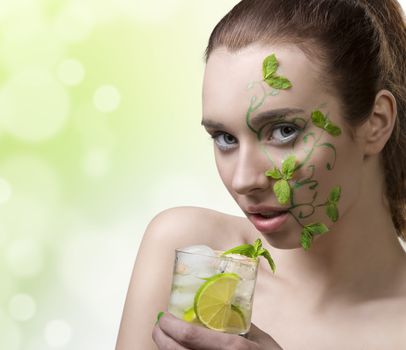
(248, 61)
(229, 74)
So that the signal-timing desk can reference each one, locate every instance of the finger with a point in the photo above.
(200, 338)
(262, 338)
(164, 342)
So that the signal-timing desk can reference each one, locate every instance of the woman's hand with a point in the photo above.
(171, 333)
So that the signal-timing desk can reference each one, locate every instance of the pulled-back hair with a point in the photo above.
(361, 45)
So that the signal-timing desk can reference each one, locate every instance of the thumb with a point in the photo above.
(263, 339)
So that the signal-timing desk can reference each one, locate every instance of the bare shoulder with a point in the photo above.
(183, 226)
(150, 283)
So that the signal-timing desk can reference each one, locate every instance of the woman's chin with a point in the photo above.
(287, 236)
(278, 241)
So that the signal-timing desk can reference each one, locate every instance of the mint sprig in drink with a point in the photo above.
(215, 289)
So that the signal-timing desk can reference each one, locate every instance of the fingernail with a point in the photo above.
(158, 317)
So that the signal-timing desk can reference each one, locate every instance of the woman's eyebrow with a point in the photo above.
(207, 123)
(257, 120)
(269, 115)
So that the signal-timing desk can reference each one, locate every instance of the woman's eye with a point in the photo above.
(224, 141)
(281, 134)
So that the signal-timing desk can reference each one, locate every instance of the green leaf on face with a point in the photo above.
(318, 119)
(332, 129)
(309, 231)
(288, 167)
(274, 173)
(321, 121)
(269, 66)
(335, 194)
(316, 229)
(332, 211)
(282, 191)
(306, 239)
(278, 82)
(244, 249)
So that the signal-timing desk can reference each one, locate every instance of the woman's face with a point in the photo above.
(295, 132)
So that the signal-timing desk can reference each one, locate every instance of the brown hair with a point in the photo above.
(360, 43)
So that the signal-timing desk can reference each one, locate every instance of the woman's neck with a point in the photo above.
(359, 259)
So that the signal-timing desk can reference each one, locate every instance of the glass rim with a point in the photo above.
(243, 260)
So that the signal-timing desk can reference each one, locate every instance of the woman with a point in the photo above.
(319, 84)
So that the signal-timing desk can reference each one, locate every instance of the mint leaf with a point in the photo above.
(269, 66)
(274, 173)
(317, 229)
(257, 245)
(281, 189)
(318, 119)
(253, 251)
(265, 253)
(332, 211)
(335, 194)
(332, 129)
(306, 239)
(321, 121)
(278, 82)
(309, 231)
(244, 249)
(288, 167)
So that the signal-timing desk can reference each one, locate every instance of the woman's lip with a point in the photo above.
(268, 225)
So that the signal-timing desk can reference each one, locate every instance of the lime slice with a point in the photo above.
(236, 321)
(189, 315)
(213, 304)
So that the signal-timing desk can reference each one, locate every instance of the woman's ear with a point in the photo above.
(380, 123)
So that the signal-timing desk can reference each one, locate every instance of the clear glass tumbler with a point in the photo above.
(213, 290)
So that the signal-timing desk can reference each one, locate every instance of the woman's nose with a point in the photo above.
(249, 175)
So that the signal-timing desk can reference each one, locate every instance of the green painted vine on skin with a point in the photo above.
(277, 82)
(284, 188)
(285, 193)
(254, 105)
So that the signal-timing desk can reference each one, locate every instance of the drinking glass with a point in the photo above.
(213, 290)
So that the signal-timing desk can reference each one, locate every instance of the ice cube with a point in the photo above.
(199, 249)
(187, 283)
(245, 289)
(245, 270)
(181, 300)
(197, 260)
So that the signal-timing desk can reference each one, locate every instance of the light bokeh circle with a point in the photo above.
(71, 72)
(107, 98)
(5, 190)
(58, 333)
(22, 307)
(33, 105)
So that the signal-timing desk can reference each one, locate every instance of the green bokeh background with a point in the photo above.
(100, 108)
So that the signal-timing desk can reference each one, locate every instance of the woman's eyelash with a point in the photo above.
(277, 134)
(281, 133)
(220, 138)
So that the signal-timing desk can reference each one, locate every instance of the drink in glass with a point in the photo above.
(213, 290)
